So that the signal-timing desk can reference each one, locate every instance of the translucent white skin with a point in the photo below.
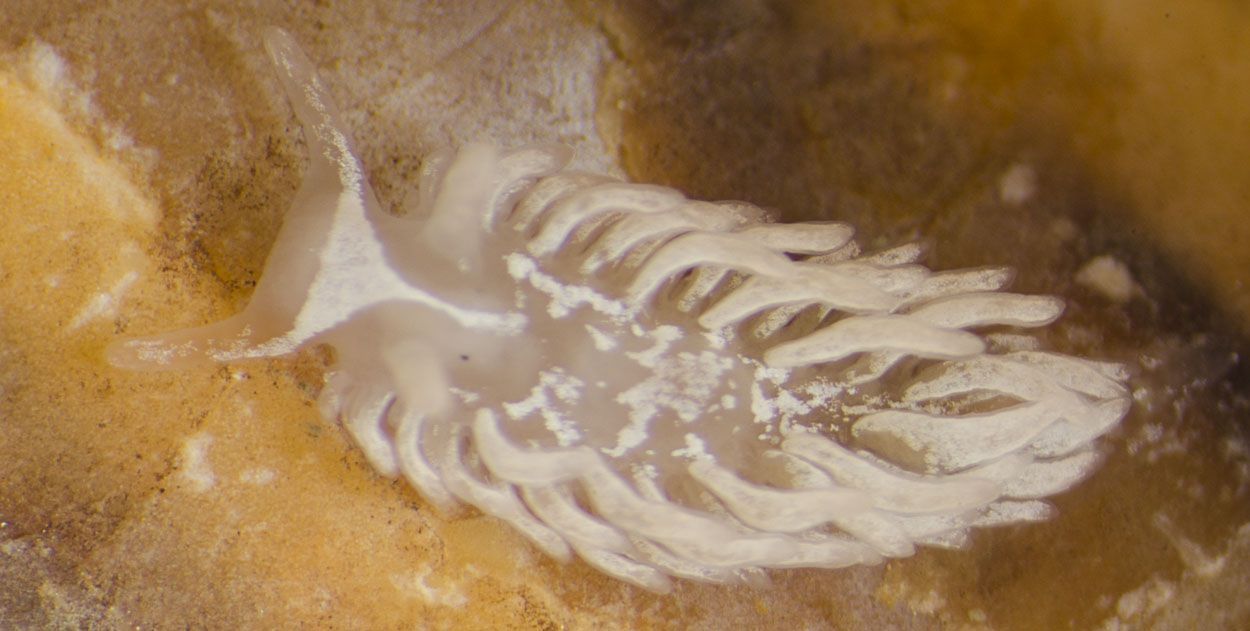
(661, 386)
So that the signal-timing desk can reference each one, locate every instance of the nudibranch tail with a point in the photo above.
(661, 386)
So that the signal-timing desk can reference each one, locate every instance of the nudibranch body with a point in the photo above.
(663, 387)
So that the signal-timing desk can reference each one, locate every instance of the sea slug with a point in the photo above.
(663, 387)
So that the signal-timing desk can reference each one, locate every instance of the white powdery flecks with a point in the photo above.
(660, 386)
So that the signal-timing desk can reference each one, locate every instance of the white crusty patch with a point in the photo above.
(416, 583)
(195, 468)
(555, 389)
(684, 385)
(1110, 277)
(260, 476)
(564, 298)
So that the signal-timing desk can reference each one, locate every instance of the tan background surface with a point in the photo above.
(145, 199)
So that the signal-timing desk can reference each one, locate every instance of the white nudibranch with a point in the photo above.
(662, 387)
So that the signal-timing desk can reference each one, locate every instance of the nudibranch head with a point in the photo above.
(663, 387)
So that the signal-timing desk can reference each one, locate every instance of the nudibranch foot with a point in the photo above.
(660, 386)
